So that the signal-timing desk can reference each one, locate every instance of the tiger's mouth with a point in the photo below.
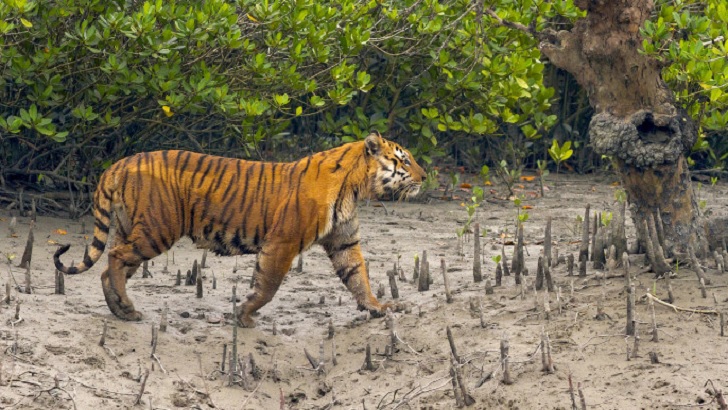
(407, 191)
(412, 190)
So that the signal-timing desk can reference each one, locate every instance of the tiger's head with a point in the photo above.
(393, 170)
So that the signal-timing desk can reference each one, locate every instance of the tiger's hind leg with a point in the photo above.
(274, 261)
(343, 248)
(113, 281)
(121, 306)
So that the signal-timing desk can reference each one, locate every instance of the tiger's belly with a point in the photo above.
(221, 246)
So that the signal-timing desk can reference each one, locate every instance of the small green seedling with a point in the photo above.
(509, 176)
(560, 154)
(520, 216)
(431, 182)
(606, 218)
(542, 173)
(454, 182)
(485, 174)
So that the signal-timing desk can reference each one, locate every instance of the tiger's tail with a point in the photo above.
(102, 213)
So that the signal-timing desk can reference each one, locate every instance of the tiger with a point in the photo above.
(234, 207)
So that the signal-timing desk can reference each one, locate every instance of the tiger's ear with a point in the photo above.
(373, 143)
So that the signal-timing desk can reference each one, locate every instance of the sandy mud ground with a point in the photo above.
(50, 357)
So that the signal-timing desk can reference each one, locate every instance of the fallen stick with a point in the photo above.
(678, 308)
(141, 390)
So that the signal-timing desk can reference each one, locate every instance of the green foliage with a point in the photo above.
(85, 78)
(690, 38)
(620, 195)
(244, 77)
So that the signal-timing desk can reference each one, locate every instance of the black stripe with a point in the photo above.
(207, 230)
(165, 198)
(183, 167)
(237, 241)
(300, 246)
(230, 215)
(265, 217)
(339, 199)
(345, 273)
(291, 172)
(273, 176)
(87, 260)
(191, 229)
(233, 182)
(176, 160)
(308, 162)
(343, 247)
(341, 157)
(138, 252)
(261, 181)
(137, 187)
(282, 181)
(104, 213)
(219, 175)
(248, 176)
(219, 239)
(203, 178)
(153, 243)
(101, 226)
(96, 243)
(165, 242)
(318, 168)
(200, 161)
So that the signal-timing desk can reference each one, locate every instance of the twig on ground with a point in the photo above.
(678, 308)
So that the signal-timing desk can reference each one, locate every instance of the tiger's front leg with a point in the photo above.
(344, 250)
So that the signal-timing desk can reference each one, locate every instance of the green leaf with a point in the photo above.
(715, 94)
(281, 100)
(317, 101)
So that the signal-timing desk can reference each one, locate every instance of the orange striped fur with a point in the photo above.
(236, 207)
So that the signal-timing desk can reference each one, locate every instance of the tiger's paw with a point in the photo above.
(381, 311)
(133, 316)
(243, 314)
(246, 321)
